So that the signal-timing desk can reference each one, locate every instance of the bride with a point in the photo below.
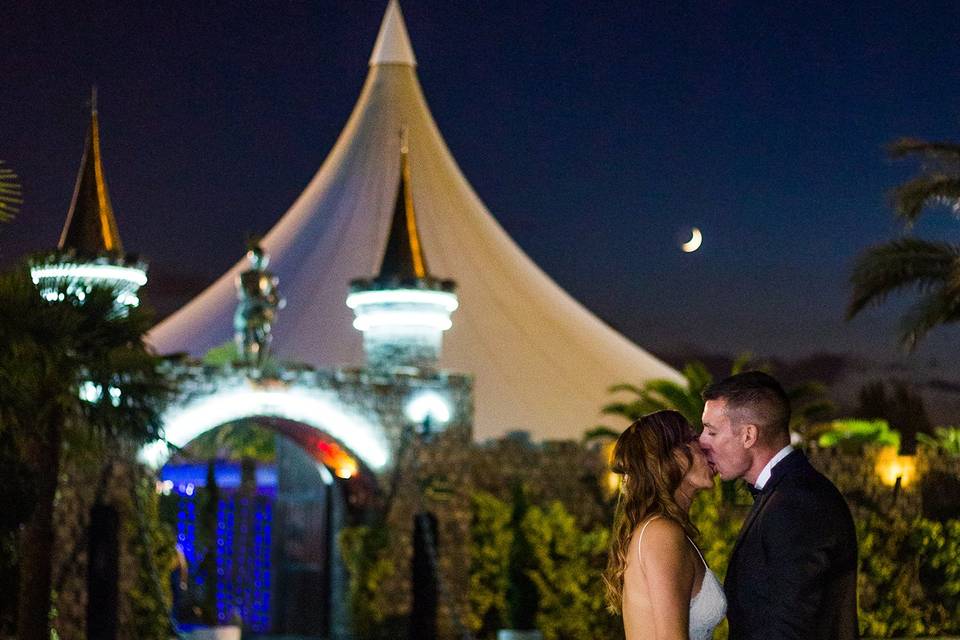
(656, 575)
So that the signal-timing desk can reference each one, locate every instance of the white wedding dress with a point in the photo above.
(709, 605)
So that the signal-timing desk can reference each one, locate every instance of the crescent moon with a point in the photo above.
(696, 239)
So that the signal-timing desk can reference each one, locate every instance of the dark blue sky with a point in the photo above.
(593, 132)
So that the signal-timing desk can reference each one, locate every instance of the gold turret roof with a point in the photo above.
(91, 227)
(403, 258)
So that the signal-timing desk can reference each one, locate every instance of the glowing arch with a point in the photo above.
(317, 409)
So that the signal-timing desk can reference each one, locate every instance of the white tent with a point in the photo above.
(541, 361)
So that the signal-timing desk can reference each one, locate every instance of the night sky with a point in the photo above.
(594, 133)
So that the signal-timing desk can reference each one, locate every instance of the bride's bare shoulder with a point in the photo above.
(660, 533)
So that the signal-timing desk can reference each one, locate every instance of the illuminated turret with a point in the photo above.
(403, 310)
(90, 252)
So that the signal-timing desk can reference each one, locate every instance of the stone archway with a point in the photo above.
(369, 414)
(308, 576)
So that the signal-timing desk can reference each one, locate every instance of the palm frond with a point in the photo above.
(697, 375)
(912, 197)
(630, 388)
(10, 194)
(600, 432)
(671, 395)
(933, 309)
(899, 264)
(672, 391)
(948, 152)
(618, 408)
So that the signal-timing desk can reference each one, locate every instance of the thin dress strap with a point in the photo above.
(640, 537)
(698, 551)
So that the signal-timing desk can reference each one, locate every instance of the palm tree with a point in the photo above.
(809, 401)
(658, 394)
(932, 269)
(49, 353)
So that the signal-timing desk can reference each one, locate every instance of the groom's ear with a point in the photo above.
(749, 435)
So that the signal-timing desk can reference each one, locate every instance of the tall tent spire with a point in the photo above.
(393, 44)
(91, 227)
(403, 258)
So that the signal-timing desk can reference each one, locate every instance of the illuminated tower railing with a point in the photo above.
(60, 275)
(90, 253)
(403, 310)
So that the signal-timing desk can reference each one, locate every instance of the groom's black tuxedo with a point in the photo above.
(793, 570)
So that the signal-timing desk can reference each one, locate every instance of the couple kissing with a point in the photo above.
(792, 573)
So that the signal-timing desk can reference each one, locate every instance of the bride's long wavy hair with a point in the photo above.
(648, 455)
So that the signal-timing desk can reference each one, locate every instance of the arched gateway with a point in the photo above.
(353, 428)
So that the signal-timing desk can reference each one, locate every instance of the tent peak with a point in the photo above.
(393, 43)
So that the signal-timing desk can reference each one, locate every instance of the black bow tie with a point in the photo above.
(754, 491)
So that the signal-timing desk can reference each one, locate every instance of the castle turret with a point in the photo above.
(90, 252)
(403, 310)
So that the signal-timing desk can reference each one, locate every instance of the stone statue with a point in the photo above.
(256, 309)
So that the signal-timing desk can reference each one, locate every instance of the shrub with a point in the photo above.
(490, 541)
(363, 550)
(568, 571)
(937, 547)
(944, 439)
(523, 599)
(153, 543)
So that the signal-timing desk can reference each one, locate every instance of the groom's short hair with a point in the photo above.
(755, 397)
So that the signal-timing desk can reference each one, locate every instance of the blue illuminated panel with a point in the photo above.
(243, 539)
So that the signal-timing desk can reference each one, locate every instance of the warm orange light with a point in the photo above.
(336, 458)
(613, 479)
(608, 450)
(891, 466)
(347, 469)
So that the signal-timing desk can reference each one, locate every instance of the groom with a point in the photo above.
(793, 570)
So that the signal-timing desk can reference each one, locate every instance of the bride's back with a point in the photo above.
(656, 536)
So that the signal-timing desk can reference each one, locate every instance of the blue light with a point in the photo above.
(243, 540)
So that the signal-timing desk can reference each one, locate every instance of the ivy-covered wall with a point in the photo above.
(145, 548)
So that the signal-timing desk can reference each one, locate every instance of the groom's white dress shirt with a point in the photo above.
(768, 469)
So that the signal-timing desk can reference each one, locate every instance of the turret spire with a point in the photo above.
(91, 227)
(403, 259)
